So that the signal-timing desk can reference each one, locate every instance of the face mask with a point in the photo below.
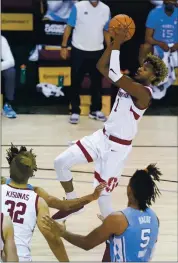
(169, 7)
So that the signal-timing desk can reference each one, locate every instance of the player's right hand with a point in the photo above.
(98, 190)
(64, 53)
(120, 33)
(164, 46)
(52, 226)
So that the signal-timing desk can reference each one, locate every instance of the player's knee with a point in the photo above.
(60, 163)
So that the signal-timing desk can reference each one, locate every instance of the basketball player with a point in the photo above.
(8, 247)
(132, 232)
(25, 207)
(109, 148)
(63, 205)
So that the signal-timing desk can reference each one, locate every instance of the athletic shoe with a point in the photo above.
(9, 112)
(34, 54)
(97, 115)
(62, 215)
(74, 118)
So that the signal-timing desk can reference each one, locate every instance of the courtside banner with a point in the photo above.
(51, 75)
(16, 22)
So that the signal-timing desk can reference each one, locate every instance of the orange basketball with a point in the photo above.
(125, 21)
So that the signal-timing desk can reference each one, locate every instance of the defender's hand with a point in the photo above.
(98, 190)
(54, 227)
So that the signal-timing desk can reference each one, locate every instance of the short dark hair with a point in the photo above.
(144, 187)
(22, 163)
(159, 67)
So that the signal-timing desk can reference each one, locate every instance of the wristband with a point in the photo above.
(114, 67)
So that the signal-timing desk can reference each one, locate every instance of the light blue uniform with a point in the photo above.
(136, 244)
(165, 27)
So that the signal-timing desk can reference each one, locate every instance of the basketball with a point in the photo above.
(123, 20)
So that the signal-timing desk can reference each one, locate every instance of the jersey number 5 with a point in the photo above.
(145, 237)
(16, 210)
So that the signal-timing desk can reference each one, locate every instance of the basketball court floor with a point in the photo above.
(49, 135)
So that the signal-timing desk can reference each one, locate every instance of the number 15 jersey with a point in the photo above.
(21, 205)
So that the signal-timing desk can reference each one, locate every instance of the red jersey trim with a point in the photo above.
(140, 108)
(2, 236)
(36, 204)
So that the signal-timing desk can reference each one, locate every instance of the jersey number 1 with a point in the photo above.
(16, 210)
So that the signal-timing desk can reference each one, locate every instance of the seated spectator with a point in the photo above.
(161, 38)
(8, 73)
(90, 20)
(57, 11)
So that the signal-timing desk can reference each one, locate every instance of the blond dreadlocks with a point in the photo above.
(22, 163)
(159, 67)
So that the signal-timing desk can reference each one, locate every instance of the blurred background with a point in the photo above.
(34, 33)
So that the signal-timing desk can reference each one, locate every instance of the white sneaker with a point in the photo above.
(97, 115)
(34, 54)
(74, 118)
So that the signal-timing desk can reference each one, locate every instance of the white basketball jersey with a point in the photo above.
(21, 205)
(124, 117)
(2, 237)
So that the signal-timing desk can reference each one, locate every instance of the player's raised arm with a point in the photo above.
(151, 73)
(54, 243)
(66, 205)
(109, 66)
(10, 250)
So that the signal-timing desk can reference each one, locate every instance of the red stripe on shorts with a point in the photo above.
(87, 155)
(98, 178)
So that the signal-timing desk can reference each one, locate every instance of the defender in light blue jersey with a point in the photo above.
(132, 232)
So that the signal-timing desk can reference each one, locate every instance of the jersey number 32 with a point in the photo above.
(16, 211)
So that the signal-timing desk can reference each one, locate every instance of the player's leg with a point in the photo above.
(96, 87)
(77, 75)
(62, 164)
(106, 256)
(82, 152)
(110, 170)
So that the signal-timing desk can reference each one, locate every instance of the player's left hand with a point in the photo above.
(54, 227)
(98, 190)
